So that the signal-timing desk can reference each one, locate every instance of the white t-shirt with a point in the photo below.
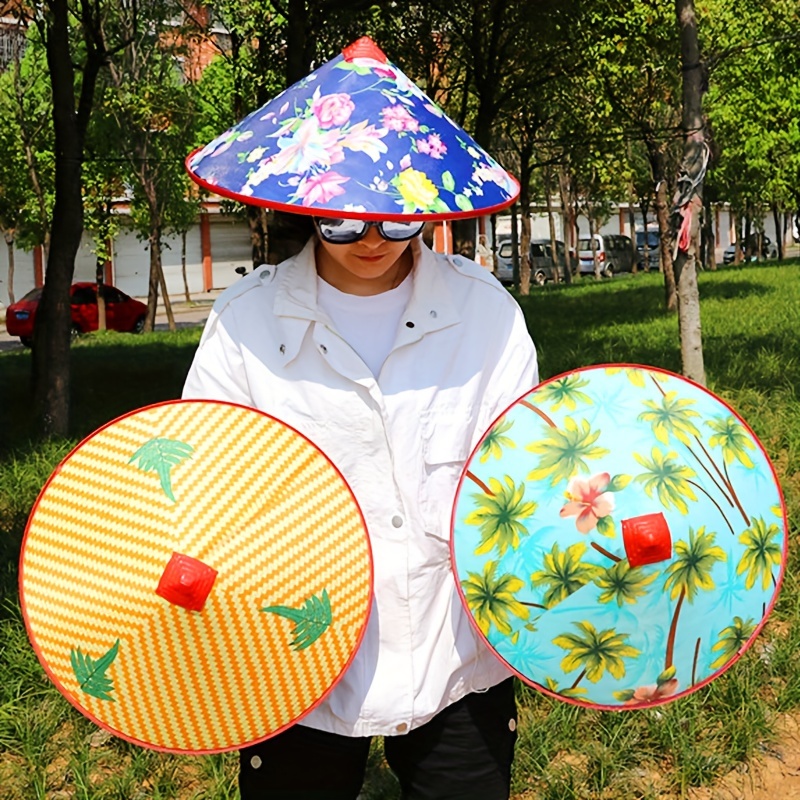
(367, 324)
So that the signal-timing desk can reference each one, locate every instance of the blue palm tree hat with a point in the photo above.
(619, 537)
(355, 139)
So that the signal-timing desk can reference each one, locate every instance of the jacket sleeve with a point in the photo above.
(218, 371)
(514, 374)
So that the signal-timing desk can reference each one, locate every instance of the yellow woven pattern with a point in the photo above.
(256, 502)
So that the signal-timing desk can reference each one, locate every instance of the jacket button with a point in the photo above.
(402, 727)
(397, 521)
(409, 324)
(433, 314)
(282, 348)
(323, 348)
(263, 274)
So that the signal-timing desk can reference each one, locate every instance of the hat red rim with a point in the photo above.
(312, 211)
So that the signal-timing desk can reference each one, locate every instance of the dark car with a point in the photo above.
(123, 313)
(543, 265)
(653, 250)
(768, 250)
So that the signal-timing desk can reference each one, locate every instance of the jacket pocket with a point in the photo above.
(445, 446)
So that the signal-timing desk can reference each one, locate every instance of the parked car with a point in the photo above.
(653, 250)
(614, 254)
(543, 265)
(768, 250)
(123, 313)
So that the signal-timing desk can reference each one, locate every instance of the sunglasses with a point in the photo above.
(347, 231)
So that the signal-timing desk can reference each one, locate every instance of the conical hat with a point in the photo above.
(358, 139)
(619, 537)
(195, 576)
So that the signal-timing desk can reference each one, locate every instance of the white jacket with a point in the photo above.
(462, 355)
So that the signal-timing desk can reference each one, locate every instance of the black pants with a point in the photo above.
(463, 753)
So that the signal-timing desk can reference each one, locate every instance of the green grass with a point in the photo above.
(751, 335)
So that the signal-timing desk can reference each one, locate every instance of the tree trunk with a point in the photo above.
(10, 288)
(51, 336)
(552, 224)
(776, 216)
(525, 250)
(514, 245)
(709, 257)
(186, 293)
(258, 235)
(694, 154)
(296, 44)
(99, 270)
(567, 223)
(664, 244)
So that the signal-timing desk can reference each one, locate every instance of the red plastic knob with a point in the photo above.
(186, 582)
(364, 48)
(647, 539)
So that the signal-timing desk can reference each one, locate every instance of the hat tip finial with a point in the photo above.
(364, 48)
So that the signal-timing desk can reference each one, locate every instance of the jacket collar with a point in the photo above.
(430, 308)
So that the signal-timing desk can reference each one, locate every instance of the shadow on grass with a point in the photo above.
(111, 374)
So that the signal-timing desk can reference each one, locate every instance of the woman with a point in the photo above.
(393, 360)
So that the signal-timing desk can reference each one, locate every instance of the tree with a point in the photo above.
(688, 198)
(74, 60)
(153, 110)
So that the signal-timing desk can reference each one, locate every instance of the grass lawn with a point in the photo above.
(751, 336)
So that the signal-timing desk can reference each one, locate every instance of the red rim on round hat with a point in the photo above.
(195, 576)
(619, 537)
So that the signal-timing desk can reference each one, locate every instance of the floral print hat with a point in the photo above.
(354, 139)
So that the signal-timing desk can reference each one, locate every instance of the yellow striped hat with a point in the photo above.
(195, 576)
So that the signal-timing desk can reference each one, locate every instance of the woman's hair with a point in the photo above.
(288, 234)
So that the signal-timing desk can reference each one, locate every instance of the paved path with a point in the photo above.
(186, 314)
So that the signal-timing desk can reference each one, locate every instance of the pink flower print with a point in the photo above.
(333, 110)
(385, 72)
(318, 189)
(653, 693)
(432, 146)
(588, 501)
(405, 161)
(397, 118)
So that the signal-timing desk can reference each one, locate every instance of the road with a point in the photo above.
(194, 313)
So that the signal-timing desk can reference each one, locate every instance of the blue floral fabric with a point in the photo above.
(548, 565)
(355, 138)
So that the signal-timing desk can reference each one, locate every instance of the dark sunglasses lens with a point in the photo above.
(398, 231)
(341, 231)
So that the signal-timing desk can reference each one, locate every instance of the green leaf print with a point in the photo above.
(91, 674)
(160, 456)
(310, 621)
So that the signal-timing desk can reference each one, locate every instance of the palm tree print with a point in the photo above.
(499, 515)
(623, 583)
(565, 391)
(564, 452)
(671, 416)
(731, 640)
(762, 553)
(667, 479)
(564, 573)
(494, 441)
(688, 574)
(595, 652)
(638, 377)
(731, 436)
(491, 599)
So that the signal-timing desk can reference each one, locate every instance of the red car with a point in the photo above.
(123, 313)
